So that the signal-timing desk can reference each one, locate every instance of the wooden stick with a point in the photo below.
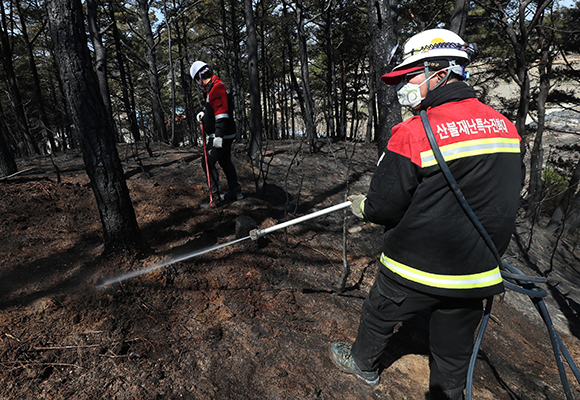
(16, 173)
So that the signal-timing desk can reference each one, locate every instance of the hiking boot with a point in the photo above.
(340, 354)
(233, 196)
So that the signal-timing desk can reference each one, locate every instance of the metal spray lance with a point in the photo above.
(254, 235)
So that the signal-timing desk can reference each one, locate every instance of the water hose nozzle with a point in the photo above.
(256, 233)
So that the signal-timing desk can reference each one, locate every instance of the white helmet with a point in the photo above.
(432, 44)
(197, 69)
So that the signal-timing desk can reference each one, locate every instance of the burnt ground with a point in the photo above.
(248, 321)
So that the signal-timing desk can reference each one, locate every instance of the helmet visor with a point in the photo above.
(396, 76)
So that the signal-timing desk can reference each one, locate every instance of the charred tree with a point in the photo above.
(528, 18)
(185, 80)
(47, 133)
(254, 85)
(173, 138)
(308, 115)
(100, 57)
(236, 77)
(7, 163)
(537, 155)
(15, 96)
(154, 88)
(459, 18)
(330, 72)
(129, 108)
(293, 80)
(93, 127)
(383, 25)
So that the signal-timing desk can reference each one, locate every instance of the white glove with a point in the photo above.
(218, 142)
(200, 117)
(357, 205)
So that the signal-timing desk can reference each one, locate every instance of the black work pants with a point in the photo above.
(452, 328)
(223, 156)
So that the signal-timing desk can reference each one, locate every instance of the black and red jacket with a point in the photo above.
(429, 243)
(218, 117)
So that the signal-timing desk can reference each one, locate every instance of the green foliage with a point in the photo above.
(553, 180)
(568, 19)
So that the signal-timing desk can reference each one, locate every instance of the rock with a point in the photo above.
(244, 225)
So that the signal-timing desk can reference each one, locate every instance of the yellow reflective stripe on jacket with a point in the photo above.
(471, 148)
(471, 281)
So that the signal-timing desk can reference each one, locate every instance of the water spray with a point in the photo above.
(254, 235)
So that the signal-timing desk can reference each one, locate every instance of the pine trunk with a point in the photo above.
(95, 134)
(383, 25)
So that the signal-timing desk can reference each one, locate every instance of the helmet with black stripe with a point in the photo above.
(433, 50)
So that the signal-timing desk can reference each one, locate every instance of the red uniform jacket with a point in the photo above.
(429, 243)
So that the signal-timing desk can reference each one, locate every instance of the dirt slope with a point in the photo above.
(248, 321)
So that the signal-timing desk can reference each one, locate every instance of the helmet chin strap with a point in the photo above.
(452, 67)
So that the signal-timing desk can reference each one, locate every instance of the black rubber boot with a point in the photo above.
(449, 394)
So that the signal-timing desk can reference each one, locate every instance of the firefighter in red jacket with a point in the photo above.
(220, 130)
(432, 256)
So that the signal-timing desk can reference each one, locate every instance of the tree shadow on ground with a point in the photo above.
(330, 193)
(27, 282)
(24, 284)
(55, 273)
(148, 167)
(48, 275)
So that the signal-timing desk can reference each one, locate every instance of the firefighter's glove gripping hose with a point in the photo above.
(358, 205)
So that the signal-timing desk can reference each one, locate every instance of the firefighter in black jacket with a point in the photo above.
(432, 256)
(220, 129)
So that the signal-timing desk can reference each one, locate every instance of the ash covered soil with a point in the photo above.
(248, 321)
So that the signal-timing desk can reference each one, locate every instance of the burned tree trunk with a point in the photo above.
(100, 56)
(306, 92)
(459, 18)
(95, 133)
(383, 26)
(7, 163)
(48, 136)
(15, 96)
(537, 156)
(154, 87)
(255, 148)
(129, 109)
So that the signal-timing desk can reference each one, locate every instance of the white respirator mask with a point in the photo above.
(409, 94)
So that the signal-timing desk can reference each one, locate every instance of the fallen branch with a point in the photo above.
(11, 336)
(16, 173)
